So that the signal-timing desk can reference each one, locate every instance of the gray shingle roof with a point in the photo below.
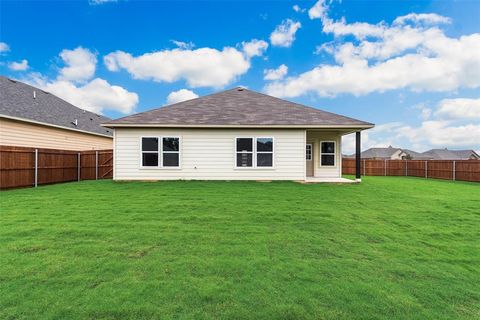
(446, 154)
(238, 107)
(417, 155)
(17, 100)
(377, 153)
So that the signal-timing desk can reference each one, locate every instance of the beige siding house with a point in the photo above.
(30, 117)
(236, 134)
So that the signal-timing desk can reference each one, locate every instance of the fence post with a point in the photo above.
(96, 165)
(78, 166)
(406, 168)
(385, 167)
(453, 170)
(36, 167)
(364, 168)
(426, 168)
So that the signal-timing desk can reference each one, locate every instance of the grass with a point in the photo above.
(390, 248)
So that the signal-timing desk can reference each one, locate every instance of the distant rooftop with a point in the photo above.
(20, 100)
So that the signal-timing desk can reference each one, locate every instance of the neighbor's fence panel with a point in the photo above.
(464, 170)
(18, 166)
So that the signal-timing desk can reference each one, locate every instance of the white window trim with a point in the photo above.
(254, 154)
(334, 154)
(160, 153)
(311, 151)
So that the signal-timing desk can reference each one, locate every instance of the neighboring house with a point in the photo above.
(389, 153)
(31, 117)
(446, 154)
(236, 134)
(413, 155)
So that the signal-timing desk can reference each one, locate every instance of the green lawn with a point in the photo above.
(389, 248)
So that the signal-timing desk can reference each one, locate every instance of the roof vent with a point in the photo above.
(11, 80)
(34, 94)
(240, 89)
(75, 123)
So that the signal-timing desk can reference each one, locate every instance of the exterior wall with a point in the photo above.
(24, 134)
(209, 154)
(398, 155)
(315, 137)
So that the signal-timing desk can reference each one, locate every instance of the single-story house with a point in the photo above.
(389, 153)
(236, 134)
(31, 117)
(448, 154)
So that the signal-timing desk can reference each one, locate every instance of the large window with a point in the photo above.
(327, 154)
(163, 152)
(254, 152)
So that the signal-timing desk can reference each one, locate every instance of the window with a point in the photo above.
(244, 152)
(160, 152)
(150, 152)
(264, 152)
(254, 155)
(308, 152)
(327, 153)
(171, 152)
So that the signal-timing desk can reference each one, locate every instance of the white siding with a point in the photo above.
(315, 138)
(209, 154)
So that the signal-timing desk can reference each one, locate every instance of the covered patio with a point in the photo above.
(324, 155)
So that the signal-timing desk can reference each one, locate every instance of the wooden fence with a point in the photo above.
(29, 167)
(463, 170)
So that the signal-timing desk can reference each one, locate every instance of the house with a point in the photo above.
(31, 117)
(236, 134)
(446, 154)
(413, 155)
(389, 153)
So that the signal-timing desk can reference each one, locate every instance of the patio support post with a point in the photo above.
(357, 156)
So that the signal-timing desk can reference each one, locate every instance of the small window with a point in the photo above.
(264, 152)
(327, 154)
(244, 151)
(150, 152)
(171, 151)
(308, 152)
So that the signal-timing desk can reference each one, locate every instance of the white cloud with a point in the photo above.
(442, 133)
(18, 66)
(425, 112)
(360, 30)
(284, 33)
(427, 18)
(80, 65)
(98, 2)
(181, 95)
(4, 47)
(385, 57)
(297, 8)
(96, 96)
(461, 108)
(448, 128)
(319, 10)
(73, 84)
(275, 74)
(184, 45)
(254, 48)
(203, 67)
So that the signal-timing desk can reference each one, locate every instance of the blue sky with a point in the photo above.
(410, 67)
